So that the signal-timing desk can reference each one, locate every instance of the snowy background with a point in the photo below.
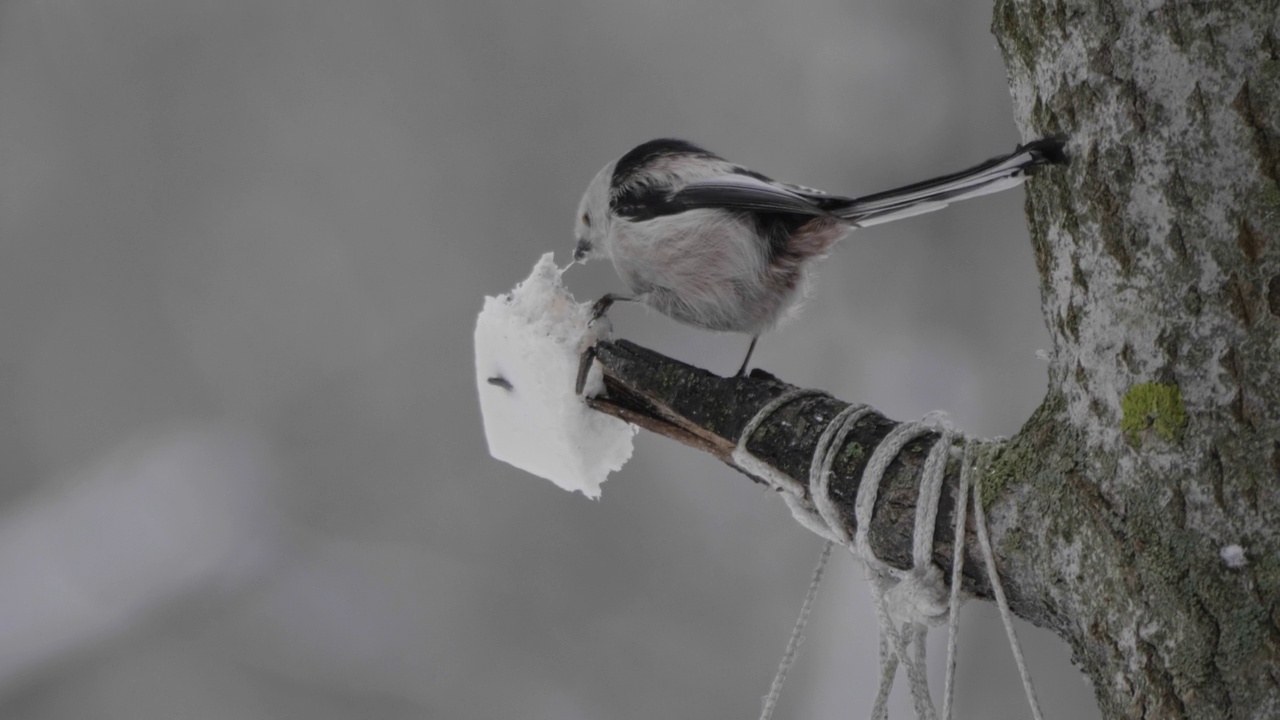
(242, 247)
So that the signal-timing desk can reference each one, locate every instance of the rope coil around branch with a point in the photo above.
(907, 602)
(793, 493)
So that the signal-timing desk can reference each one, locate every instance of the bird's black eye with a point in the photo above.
(586, 219)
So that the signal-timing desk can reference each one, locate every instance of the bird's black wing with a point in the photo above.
(745, 192)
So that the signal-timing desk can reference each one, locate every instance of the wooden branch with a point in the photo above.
(708, 413)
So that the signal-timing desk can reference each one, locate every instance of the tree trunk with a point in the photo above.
(1159, 263)
(1137, 514)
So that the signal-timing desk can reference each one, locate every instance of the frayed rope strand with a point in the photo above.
(906, 602)
(1006, 615)
(917, 595)
(957, 565)
(797, 635)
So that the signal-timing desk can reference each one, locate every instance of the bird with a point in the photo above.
(716, 245)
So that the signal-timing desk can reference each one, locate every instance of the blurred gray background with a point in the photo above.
(242, 247)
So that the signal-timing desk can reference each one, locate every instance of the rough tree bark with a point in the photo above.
(1160, 277)
(1158, 443)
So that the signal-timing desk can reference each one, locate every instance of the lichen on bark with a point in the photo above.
(1155, 407)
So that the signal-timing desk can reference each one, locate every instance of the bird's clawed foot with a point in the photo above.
(602, 305)
(587, 357)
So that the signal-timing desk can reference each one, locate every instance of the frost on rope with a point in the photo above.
(528, 342)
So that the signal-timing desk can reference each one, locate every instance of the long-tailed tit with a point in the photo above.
(716, 245)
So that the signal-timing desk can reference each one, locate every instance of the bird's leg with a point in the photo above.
(588, 356)
(602, 305)
(743, 370)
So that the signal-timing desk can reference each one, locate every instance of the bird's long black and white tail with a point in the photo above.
(994, 175)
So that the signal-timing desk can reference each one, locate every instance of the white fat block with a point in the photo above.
(528, 345)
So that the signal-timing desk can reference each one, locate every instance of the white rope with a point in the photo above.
(754, 465)
(1006, 616)
(836, 431)
(957, 566)
(804, 514)
(907, 602)
(935, 468)
(797, 635)
(824, 457)
(900, 640)
(888, 657)
(869, 487)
